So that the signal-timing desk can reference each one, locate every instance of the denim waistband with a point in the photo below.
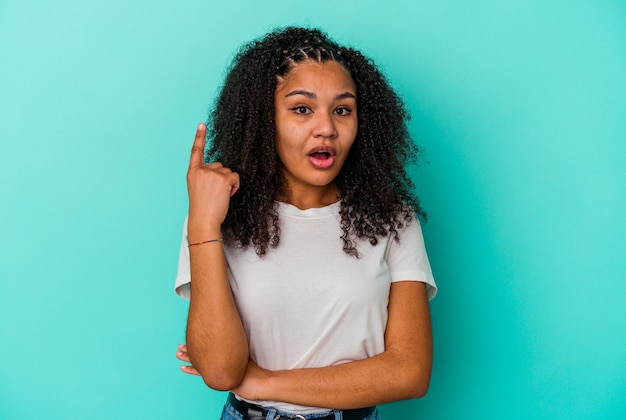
(256, 412)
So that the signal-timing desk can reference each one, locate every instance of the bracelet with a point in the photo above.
(205, 242)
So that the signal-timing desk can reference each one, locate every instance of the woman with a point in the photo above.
(302, 255)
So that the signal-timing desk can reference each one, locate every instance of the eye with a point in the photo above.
(343, 110)
(302, 110)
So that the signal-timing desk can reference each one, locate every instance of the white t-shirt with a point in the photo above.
(309, 304)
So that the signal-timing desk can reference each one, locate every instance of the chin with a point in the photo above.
(324, 182)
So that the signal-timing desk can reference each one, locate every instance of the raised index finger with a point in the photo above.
(197, 151)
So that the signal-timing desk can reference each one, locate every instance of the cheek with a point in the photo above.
(351, 137)
(350, 130)
(288, 140)
(285, 149)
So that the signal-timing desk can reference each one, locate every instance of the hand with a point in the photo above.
(182, 354)
(210, 187)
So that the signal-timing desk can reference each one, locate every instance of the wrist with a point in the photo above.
(200, 233)
(266, 389)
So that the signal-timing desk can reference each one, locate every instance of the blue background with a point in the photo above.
(520, 110)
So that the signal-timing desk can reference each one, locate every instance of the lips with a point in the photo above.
(322, 157)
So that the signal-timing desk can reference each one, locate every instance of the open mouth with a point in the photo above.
(322, 157)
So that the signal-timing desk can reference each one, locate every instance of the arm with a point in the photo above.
(402, 371)
(216, 341)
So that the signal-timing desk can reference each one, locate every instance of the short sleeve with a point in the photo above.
(183, 276)
(407, 259)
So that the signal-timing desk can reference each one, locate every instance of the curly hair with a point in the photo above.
(376, 192)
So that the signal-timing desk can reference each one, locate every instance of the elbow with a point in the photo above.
(221, 373)
(419, 389)
(223, 380)
(220, 370)
(415, 383)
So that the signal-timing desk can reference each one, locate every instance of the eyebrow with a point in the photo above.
(312, 95)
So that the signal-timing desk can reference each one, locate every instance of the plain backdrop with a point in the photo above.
(519, 107)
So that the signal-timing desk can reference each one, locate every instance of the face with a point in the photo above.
(316, 123)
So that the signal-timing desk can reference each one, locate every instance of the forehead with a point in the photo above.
(313, 75)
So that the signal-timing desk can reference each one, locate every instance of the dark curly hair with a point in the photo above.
(376, 193)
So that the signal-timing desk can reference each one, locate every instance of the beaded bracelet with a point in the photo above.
(205, 242)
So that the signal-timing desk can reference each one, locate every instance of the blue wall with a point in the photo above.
(520, 109)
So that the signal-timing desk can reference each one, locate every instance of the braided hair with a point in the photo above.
(376, 192)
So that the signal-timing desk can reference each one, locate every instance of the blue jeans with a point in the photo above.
(229, 413)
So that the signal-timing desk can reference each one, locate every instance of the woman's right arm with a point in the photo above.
(216, 341)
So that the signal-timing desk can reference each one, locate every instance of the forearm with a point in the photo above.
(402, 371)
(216, 339)
(387, 377)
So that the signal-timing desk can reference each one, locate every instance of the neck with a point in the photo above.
(311, 197)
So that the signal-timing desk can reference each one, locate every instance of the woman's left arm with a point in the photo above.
(401, 372)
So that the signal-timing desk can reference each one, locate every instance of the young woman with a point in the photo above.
(302, 255)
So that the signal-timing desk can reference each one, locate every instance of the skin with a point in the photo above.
(216, 342)
(315, 107)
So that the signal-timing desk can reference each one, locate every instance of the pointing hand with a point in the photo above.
(210, 187)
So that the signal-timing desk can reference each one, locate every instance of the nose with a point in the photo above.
(324, 125)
